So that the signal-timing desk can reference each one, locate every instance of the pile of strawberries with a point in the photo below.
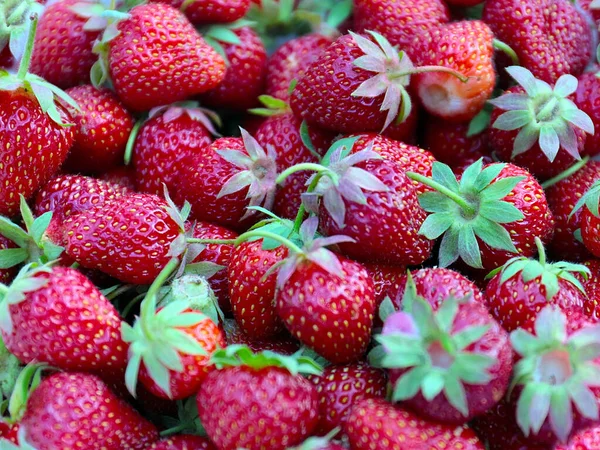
(314, 224)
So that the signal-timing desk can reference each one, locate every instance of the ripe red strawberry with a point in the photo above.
(282, 343)
(65, 37)
(588, 439)
(562, 198)
(551, 38)
(56, 315)
(9, 432)
(501, 210)
(545, 142)
(76, 410)
(587, 98)
(211, 11)
(591, 285)
(131, 238)
(326, 301)
(123, 176)
(183, 442)
(280, 411)
(590, 218)
(101, 130)
(218, 254)
(245, 77)
(291, 60)
(592, 7)
(340, 387)
(403, 429)
(447, 357)
(368, 197)
(170, 134)
(387, 282)
(405, 131)
(399, 21)
(224, 178)
(466, 47)
(523, 286)
(251, 291)
(149, 68)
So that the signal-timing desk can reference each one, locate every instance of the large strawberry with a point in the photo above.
(261, 399)
(550, 37)
(170, 134)
(399, 21)
(523, 286)
(492, 214)
(374, 424)
(466, 47)
(223, 179)
(56, 315)
(102, 129)
(150, 68)
(210, 11)
(76, 410)
(537, 126)
(448, 358)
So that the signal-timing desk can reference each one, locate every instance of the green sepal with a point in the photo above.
(241, 355)
(187, 421)
(272, 106)
(345, 143)
(386, 308)
(339, 13)
(27, 381)
(590, 199)
(480, 122)
(10, 367)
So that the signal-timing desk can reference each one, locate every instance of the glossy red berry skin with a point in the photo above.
(212, 11)
(587, 98)
(282, 343)
(183, 442)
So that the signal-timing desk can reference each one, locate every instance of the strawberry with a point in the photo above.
(587, 99)
(14, 25)
(501, 210)
(210, 11)
(374, 424)
(131, 238)
(591, 7)
(245, 77)
(590, 218)
(459, 364)
(547, 141)
(224, 178)
(519, 289)
(383, 221)
(399, 21)
(169, 135)
(182, 442)
(282, 343)
(149, 68)
(326, 301)
(9, 432)
(290, 61)
(464, 46)
(556, 393)
(278, 408)
(56, 315)
(170, 345)
(405, 131)
(551, 38)
(591, 285)
(6, 274)
(76, 410)
(102, 129)
(218, 254)
(387, 282)
(562, 198)
(340, 387)
(588, 439)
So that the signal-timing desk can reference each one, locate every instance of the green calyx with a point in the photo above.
(34, 246)
(14, 24)
(466, 211)
(10, 367)
(543, 114)
(24, 283)
(550, 273)
(241, 355)
(272, 107)
(27, 381)
(186, 422)
(216, 35)
(158, 339)
(436, 356)
(591, 199)
(555, 372)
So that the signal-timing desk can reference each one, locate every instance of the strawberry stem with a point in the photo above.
(302, 210)
(26, 60)
(314, 167)
(428, 69)
(266, 234)
(566, 174)
(467, 208)
(541, 251)
(131, 141)
(507, 50)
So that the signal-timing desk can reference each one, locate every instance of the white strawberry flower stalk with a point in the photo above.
(543, 114)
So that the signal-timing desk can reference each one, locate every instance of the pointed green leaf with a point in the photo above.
(468, 248)
(435, 202)
(561, 414)
(449, 248)
(409, 384)
(12, 257)
(494, 235)
(487, 175)
(470, 335)
(501, 188)
(40, 225)
(14, 232)
(455, 394)
(386, 308)
(446, 314)
(500, 212)
(432, 385)
(443, 174)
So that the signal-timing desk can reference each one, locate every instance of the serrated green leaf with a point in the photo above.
(14, 232)
(510, 270)
(470, 175)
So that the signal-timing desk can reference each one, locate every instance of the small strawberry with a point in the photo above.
(245, 77)
(14, 24)
(182, 442)
(374, 424)
(262, 400)
(589, 205)
(550, 37)
(223, 179)
(340, 387)
(76, 410)
(170, 134)
(56, 315)
(210, 11)
(466, 47)
(290, 61)
(492, 214)
(149, 68)
(447, 358)
(102, 129)
(537, 126)
(399, 21)
(587, 100)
